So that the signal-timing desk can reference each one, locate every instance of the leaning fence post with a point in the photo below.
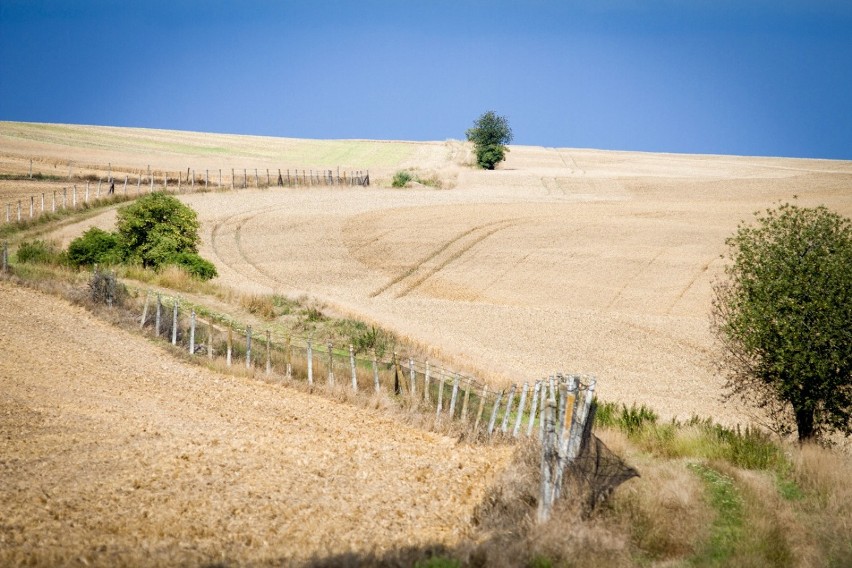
(145, 310)
(375, 361)
(467, 384)
(330, 364)
(440, 395)
(533, 407)
(455, 396)
(542, 402)
(521, 406)
(351, 355)
(175, 321)
(480, 410)
(494, 411)
(192, 332)
(506, 415)
(248, 347)
(310, 364)
(125, 185)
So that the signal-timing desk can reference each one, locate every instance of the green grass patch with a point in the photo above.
(727, 529)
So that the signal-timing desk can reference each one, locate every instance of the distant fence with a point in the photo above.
(517, 411)
(94, 188)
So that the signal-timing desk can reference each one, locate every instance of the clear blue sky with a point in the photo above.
(735, 77)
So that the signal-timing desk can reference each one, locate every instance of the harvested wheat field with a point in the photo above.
(579, 260)
(113, 453)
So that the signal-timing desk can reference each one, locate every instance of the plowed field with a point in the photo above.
(113, 453)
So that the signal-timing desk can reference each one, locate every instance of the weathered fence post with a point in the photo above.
(455, 396)
(467, 385)
(206, 179)
(548, 460)
(287, 354)
(145, 310)
(375, 358)
(480, 410)
(32, 205)
(351, 356)
(248, 347)
(159, 315)
(506, 415)
(412, 375)
(310, 364)
(125, 185)
(521, 406)
(192, 332)
(494, 412)
(440, 395)
(542, 402)
(19, 211)
(210, 340)
(330, 364)
(175, 321)
(256, 181)
(426, 384)
(232, 179)
(229, 346)
(268, 353)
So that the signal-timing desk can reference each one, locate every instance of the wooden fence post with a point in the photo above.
(232, 179)
(268, 354)
(412, 374)
(74, 196)
(32, 205)
(151, 189)
(330, 364)
(206, 179)
(229, 348)
(145, 310)
(548, 459)
(248, 347)
(440, 395)
(375, 362)
(494, 412)
(158, 320)
(521, 406)
(256, 180)
(175, 321)
(454, 397)
(220, 178)
(8, 209)
(467, 385)
(86, 199)
(192, 332)
(351, 358)
(310, 364)
(245, 178)
(5, 256)
(506, 415)
(19, 211)
(210, 340)
(426, 384)
(125, 185)
(287, 353)
(480, 410)
(192, 183)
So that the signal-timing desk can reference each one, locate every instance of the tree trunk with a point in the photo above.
(805, 423)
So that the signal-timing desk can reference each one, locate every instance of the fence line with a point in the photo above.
(285, 178)
(447, 393)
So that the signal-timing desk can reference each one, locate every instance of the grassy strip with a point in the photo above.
(727, 529)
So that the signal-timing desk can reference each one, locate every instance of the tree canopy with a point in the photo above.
(490, 134)
(157, 227)
(783, 318)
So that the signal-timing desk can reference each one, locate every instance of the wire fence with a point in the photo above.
(93, 188)
(431, 388)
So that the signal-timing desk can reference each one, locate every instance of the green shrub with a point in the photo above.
(194, 264)
(156, 228)
(401, 178)
(95, 246)
(40, 252)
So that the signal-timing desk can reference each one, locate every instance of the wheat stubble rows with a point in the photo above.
(600, 264)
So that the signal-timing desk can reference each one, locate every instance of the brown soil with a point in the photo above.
(113, 453)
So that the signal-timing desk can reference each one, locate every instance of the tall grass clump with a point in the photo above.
(401, 178)
(40, 252)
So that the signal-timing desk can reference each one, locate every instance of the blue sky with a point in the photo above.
(725, 77)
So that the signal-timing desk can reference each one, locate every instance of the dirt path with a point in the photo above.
(112, 453)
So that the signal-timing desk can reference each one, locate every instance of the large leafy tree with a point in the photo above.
(783, 318)
(156, 228)
(490, 134)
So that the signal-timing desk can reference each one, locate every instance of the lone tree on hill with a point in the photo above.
(784, 318)
(490, 134)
